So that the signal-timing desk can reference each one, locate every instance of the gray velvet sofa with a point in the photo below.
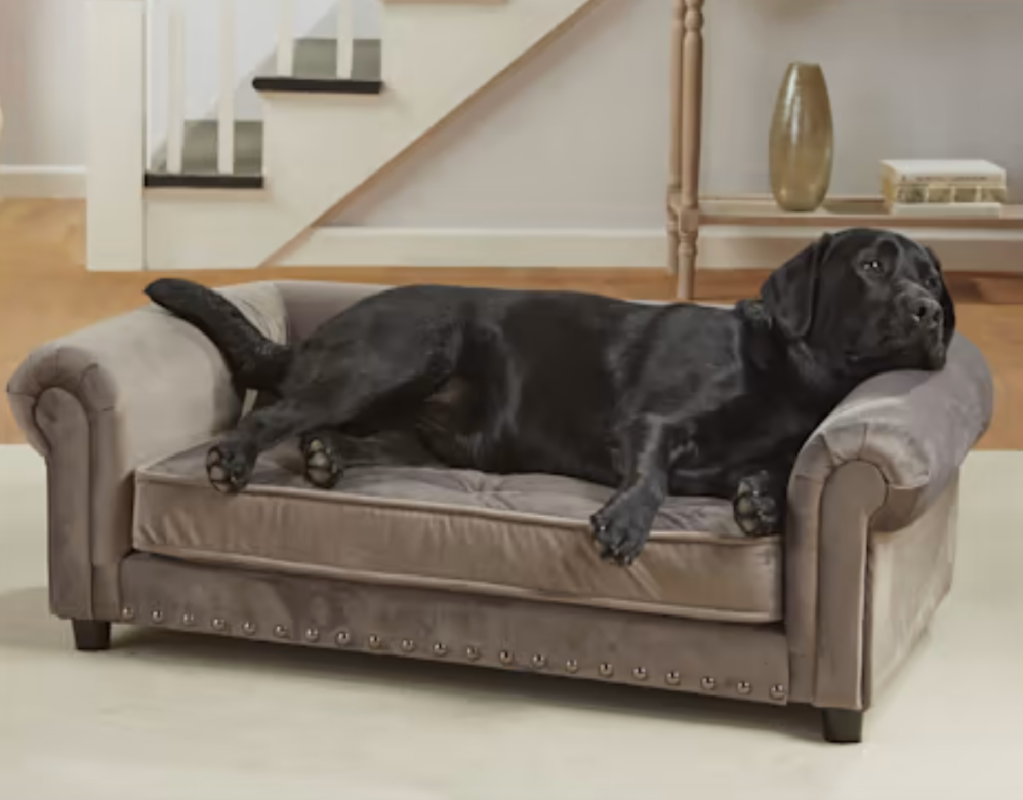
(499, 572)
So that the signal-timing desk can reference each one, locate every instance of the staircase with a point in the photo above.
(315, 70)
(335, 114)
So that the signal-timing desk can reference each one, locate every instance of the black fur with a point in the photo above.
(652, 400)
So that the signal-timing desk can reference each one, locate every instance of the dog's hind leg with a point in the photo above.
(333, 389)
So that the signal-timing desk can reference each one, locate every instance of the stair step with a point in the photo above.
(199, 158)
(316, 69)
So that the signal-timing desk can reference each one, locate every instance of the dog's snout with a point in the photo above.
(926, 313)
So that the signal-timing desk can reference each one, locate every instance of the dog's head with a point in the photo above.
(864, 301)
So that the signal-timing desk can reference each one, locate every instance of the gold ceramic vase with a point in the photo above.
(802, 139)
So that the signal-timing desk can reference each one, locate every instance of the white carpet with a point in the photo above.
(173, 716)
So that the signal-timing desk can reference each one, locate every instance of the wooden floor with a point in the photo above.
(45, 292)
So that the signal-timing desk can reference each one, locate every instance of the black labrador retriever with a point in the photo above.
(652, 400)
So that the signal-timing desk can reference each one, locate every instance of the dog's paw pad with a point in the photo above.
(321, 465)
(228, 471)
(756, 514)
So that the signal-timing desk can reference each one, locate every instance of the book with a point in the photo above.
(930, 182)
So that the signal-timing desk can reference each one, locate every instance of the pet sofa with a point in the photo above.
(430, 563)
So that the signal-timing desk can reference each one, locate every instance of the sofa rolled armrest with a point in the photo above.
(103, 401)
(885, 463)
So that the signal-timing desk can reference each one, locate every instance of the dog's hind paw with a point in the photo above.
(229, 467)
(323, 465)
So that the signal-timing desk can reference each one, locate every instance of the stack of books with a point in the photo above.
(954, 188)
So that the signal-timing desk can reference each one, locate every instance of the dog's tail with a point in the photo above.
(255, 361)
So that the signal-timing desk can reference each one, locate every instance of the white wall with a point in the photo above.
(578, 139)
(41, 83)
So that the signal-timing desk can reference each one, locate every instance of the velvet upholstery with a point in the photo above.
(867, 555)
(520, 535)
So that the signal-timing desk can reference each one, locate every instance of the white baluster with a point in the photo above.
(225, 105)
(286, 39)
(176, 88)
(345, 37)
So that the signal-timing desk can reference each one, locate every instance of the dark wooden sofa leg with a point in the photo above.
(842, 726)
(90, 635)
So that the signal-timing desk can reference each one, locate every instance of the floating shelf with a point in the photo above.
(847, 212)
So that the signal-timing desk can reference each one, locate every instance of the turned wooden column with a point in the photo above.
(678, 11)
(692, 102)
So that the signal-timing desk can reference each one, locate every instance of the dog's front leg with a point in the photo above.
(621, 528)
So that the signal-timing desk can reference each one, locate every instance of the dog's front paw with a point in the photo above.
(619, 535)
(323, 465)
(756, 510)
(229, 467)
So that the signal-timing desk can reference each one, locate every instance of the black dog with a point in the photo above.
(652, 400)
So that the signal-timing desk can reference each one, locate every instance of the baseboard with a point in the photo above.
(720, 248)
(17, 180)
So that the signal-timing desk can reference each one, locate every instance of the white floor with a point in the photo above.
(171, 716)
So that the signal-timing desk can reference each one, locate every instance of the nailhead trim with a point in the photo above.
(473, 653)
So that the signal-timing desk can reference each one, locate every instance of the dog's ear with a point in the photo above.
(947, 306)
(790, 294)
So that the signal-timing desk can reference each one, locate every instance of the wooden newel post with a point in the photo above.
(692, 102)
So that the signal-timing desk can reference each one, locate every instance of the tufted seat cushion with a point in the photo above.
(525, 536)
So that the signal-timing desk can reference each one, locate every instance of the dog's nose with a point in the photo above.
(926, 313)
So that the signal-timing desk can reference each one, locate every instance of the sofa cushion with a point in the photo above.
(523, 536)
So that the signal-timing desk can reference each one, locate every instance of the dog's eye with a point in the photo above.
(932, 283)
(872, 265)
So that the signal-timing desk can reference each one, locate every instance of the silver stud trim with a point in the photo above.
(280, 632)
(472, 652)
(708, 684)
(312, 635)
(374, 642)
(128, 613)
(572, 666)
(778, 692)
(639, 673)
(744, 687)
(343, 639)
(218, 624)
(673, 678)
(506, 657)
(606, 670)
(440, 649)
(157, 616)
(248, 628)
(408, 645)
(539, 661)
(188, 619)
